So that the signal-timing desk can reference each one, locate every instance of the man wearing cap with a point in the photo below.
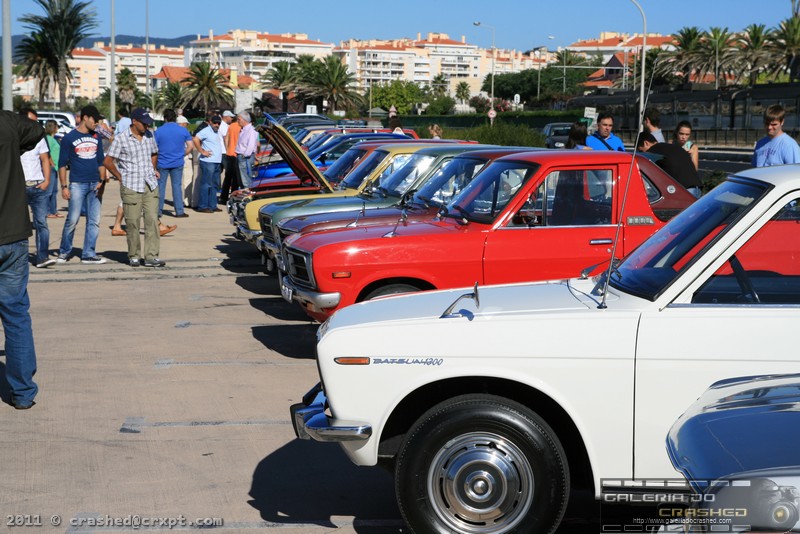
(209, 144)
(246, 148)
(82, 150)
(132, 158)
(174, 143)
(231, 165)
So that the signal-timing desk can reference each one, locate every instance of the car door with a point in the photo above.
(738, 318)
(564, 224)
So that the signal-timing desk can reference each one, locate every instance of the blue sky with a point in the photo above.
(519, 24)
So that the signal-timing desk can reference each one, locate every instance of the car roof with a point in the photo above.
(572, 156)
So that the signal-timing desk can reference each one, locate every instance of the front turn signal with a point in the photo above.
(341, 274)
(351, 361)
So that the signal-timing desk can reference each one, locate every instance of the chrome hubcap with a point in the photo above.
(480, 483)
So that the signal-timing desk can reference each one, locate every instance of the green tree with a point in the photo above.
(283, 77)
(439, 85)
(334, 83)
(717, 54)
(126, 88)
(683, 60)
(440, 105)
(64, 24)
(206, 87)
(171, 96)
(787, 48)
(35, 56)
(755, 53)
(401, 94)
(462, 91)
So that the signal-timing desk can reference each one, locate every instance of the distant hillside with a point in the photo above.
(121, 40)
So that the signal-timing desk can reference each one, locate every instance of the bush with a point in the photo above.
(442, 105)
(502, 133)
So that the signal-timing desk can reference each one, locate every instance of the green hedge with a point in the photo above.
(531, 119)
(502, 133)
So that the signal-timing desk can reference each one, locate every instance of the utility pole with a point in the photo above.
(7, 77)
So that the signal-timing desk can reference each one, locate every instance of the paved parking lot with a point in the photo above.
(165, 394)
(164, 399)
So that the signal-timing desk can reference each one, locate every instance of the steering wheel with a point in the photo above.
(743, 279)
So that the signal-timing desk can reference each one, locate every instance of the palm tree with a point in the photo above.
(171, 96)
(439, 85)
(755, 52)
(64, 24)
(35, 56)
(683, 60)
(462, 91)
(282, 76)
(787, 44)
(126, 86)
(333, 82)
(716, 54)
(206, 87)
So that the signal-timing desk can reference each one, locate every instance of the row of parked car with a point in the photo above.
(543, 364)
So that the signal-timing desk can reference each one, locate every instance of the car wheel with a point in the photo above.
(391, 289)
(481, 464)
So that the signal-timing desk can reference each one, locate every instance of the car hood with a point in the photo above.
(293, 155)
(496, 302)
(349, 202)
(373, 215)
(313, 240)
(708, 442)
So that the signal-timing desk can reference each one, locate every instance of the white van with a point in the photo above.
(58, 116)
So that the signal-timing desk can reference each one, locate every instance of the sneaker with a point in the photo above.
(46, 263)
(134, 262)
(155, 262)
(96, 260)
(62, 258)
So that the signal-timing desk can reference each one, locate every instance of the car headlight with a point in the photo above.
(559, 144)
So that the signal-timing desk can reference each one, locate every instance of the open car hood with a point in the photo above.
(294, 156)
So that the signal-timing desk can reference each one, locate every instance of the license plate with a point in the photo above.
(286, 292)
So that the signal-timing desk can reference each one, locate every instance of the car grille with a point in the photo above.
(298, 267)
(266, 225)
(283, 234)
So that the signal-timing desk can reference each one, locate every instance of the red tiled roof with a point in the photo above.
(178, 74)
(440, 41)
(138, 50)
(86, 52)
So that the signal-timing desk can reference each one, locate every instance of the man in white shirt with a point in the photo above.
(36, 166)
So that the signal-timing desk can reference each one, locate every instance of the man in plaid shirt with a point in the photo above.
(132, 159)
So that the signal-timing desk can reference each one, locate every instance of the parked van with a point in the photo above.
(58, 116)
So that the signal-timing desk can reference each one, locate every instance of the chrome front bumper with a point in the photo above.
(247, 234)
(313, 299)
(311, 422)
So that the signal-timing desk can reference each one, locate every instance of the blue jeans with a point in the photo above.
(209, 185)
(175, 175)
(52, 193)
(695, 191)
(81, 193)
(38, 201)
(17, 329)
(245, 169)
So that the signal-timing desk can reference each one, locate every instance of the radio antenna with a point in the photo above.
(611, 263)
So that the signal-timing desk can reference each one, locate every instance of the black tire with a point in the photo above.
(391, 289)
(481, 464)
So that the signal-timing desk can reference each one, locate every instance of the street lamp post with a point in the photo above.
(494, 53)
(644, 52)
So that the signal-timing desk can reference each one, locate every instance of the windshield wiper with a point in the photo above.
(465, 215)
(425, 200)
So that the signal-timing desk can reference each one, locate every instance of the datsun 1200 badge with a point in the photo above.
(491, 403)
(525, 217)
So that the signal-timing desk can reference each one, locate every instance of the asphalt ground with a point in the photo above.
(164, 397)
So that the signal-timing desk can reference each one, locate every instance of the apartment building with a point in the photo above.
(252, 53)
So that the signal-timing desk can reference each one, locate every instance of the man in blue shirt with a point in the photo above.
(209, 144)
(603, 139)
(174, 143)
(82, 150)
(777, 147)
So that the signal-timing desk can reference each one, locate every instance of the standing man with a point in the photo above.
(246, 148)
(676, 162)
(123, 123)
(174, 143)
(132, 158)
(652, 122)
(36, 166)
(209, 144)
(17, 135)
(777, 147)
(231, 181)
(603, 139)
(82, 150)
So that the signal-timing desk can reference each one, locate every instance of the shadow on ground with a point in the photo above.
(240, 257)
(311, 483)
(293, 341)
(5, 387)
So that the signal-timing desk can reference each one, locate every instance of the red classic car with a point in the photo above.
(525, 217)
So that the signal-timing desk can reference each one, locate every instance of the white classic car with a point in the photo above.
(490, 404)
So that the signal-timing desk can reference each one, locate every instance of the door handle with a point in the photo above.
(604, 241)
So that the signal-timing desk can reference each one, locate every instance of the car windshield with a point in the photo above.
(448, 181)
(491, 191)
(343, 165)
(364, 169)
(564, 130)
(654, 265)
(397, 183)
